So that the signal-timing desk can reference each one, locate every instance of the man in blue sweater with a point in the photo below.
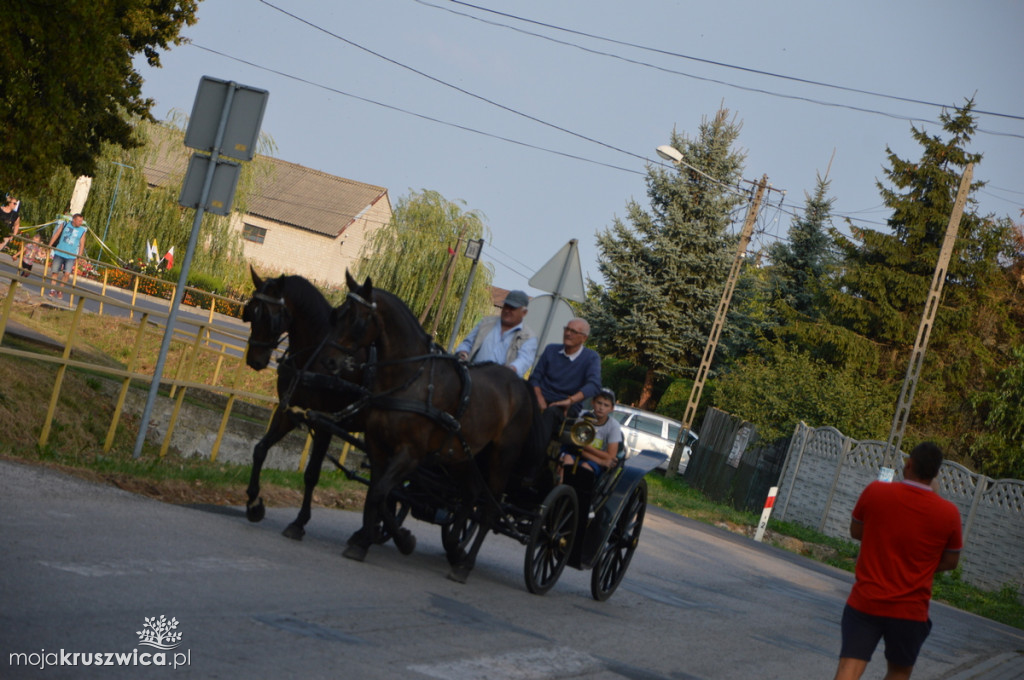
(566, 375)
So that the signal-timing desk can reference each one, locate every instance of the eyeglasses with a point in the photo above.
(573, 331)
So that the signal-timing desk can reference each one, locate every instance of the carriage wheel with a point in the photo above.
(551, 539)
(457, 535)
(400, 510)
(618, 551)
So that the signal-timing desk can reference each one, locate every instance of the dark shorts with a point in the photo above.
(903, 637)
(62, 263)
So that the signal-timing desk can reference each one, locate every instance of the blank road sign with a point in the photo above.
(222, 191)
(243, 124)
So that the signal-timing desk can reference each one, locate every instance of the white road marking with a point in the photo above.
(529, 664)
(138, 566)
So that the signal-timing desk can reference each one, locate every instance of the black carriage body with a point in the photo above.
(607, 505)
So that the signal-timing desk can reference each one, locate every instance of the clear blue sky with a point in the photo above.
(560, 146)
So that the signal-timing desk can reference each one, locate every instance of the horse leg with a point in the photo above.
(462, 562)
(459, 571)
(375, 507)
(321, 440)
(280, 425)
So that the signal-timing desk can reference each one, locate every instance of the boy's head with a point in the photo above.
(605, 395)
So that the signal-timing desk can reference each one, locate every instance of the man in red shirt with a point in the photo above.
(907, 533)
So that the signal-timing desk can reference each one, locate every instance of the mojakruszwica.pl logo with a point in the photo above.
(160, 634)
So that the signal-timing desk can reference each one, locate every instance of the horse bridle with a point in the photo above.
(279, 322)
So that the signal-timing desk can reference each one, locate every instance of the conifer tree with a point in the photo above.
(664, 268)
(880, 298)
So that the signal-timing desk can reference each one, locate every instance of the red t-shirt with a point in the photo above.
(907, 528)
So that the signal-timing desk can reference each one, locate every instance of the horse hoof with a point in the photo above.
(405, 542)
(255, 512)
(458, 574)
(294, 531)
(355, 552)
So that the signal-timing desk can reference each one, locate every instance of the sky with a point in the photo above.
(544, 116)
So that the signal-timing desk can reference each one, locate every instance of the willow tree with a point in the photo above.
(418, 256)
(664, 268)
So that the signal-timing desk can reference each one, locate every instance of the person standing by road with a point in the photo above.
(907, 533)
(10, 220)
(503, 339)
(70, 240)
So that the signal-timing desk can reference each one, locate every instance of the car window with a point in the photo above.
(648, 425)
(620, 416)
(673, 432)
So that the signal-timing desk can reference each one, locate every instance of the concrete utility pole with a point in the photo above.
(931, 307)
(716, 327)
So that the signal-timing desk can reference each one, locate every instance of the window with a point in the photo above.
(648, 425)
(253, 233)
(673, 432)
(620, 416)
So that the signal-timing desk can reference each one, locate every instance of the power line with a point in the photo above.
(466, 92)
(702, 60)
(412, 113)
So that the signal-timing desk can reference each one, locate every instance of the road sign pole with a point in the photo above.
(179, 291)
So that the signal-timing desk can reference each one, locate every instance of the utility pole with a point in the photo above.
(931, 307)
(716, 327)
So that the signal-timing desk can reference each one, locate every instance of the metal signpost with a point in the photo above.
(226, 119)
(473, 249)
(563, 278)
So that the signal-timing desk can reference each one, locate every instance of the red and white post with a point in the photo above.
(766, 513)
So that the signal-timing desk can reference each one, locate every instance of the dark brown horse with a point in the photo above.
(476, 422)
(292, 306)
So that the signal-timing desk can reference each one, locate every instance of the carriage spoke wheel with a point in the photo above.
(618, 551)
(400, 511)
(551, 539)
(458, 534)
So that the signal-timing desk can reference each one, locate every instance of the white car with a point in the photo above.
(645, 430)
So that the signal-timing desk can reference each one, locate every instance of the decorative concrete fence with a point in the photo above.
(825, 472)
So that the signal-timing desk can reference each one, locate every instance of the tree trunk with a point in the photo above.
(647, 391)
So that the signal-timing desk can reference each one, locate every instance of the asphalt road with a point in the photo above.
(82, 566)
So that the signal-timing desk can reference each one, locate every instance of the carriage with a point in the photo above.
(445, 442)
(580, 523)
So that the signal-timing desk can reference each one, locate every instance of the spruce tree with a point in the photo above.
(664, 268)
(880, 297)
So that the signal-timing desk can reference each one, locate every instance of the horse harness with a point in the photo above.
(450, 422)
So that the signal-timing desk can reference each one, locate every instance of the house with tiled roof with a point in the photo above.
(297, 220)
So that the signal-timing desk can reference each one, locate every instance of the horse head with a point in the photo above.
(269, 319)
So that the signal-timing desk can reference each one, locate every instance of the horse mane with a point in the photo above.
(404, 317)
(307, 300)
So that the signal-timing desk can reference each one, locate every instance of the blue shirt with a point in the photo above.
(70, 240)
(559, 376)
(495, 347)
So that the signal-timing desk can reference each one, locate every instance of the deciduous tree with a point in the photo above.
(69, 84)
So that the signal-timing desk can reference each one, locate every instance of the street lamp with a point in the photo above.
(669, 153)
